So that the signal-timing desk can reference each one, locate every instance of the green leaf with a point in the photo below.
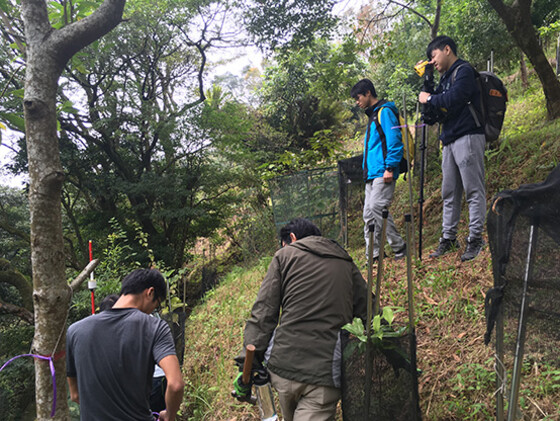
(376, 323)
(388, 315)
(18, 92)
(356, 328)
(15, 121)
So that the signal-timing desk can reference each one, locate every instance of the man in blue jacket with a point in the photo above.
(456, 98)
(380, 164)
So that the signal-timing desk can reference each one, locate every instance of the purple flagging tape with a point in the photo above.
(156, 415)
(408, 125)
(53, 377)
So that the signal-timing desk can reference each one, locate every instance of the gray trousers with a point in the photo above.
(379, 195)
(305, 402)
(462, 167)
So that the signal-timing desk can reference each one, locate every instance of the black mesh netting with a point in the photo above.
(311, 194)
(394, 385)
(513, 214)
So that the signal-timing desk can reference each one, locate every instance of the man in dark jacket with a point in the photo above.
(316, 287)
(456, 99)
(380, 164)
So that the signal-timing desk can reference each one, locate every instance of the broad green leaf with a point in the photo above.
(356, 328)
(15, 121)
(18, 92)
(388, 315)
(376, 323)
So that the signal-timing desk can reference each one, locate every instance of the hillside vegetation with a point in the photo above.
(457, 380)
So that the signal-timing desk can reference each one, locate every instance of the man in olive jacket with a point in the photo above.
(317, 288)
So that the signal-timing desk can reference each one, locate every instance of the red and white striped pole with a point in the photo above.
(92, 283)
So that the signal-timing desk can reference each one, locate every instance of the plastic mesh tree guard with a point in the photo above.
(312, 194)
(394, 390)
(351, 184)
(524, 306)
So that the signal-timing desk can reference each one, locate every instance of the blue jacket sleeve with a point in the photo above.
(389, 123)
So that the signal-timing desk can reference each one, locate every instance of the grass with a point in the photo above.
(457, 380)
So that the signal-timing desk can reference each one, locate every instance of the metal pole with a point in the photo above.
(92, 283)
(409, 242)
(376, 307)
(369, 317)
(423, 148)
(411, 318)
(558, 56)
(428, 87)
(522, 324)
(499, 356)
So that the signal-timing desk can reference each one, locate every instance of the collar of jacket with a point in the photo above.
(449, 72)
(369, 110)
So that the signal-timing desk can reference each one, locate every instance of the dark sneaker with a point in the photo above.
(400, 254)
(445, 246)
(473, 248)
(375, 259)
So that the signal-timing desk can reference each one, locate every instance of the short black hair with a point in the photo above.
(439, 43)
(362, 88)
(300, 227)
(141, 279)
(108, 302)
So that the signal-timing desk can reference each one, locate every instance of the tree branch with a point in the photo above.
(11, 276)
(22, 313)
(406, 6)
(72, 38)
(79, 280)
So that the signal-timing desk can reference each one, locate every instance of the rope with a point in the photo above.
(408, 125)
(51, 360)
(503, 380)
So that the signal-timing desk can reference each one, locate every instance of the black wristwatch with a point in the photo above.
(390, 169)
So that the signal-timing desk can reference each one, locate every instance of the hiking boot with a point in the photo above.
(375, 259)
(401, 253)
(445, 246)
(473, 248)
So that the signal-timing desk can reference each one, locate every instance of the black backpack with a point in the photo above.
(493, 98)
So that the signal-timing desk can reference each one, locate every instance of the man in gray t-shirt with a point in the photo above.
(111, 355)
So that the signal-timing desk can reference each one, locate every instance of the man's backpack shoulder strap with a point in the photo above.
(382, 137)
(476, 76)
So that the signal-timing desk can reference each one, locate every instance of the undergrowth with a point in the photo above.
(457, 380)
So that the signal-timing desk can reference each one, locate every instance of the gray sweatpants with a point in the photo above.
(379, 195)
(463, 170)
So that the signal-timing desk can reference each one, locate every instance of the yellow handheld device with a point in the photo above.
(420, 68)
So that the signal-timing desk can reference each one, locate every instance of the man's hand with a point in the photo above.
(73, 387)
(388, 176)
(164, 416)
(423, 97)
(175, 387)
(242, 390)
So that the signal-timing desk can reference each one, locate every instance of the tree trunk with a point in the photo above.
(435, 26)
(48, 50)
(517, 19)
(523, 71)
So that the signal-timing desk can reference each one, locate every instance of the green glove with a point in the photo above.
(242, 389)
